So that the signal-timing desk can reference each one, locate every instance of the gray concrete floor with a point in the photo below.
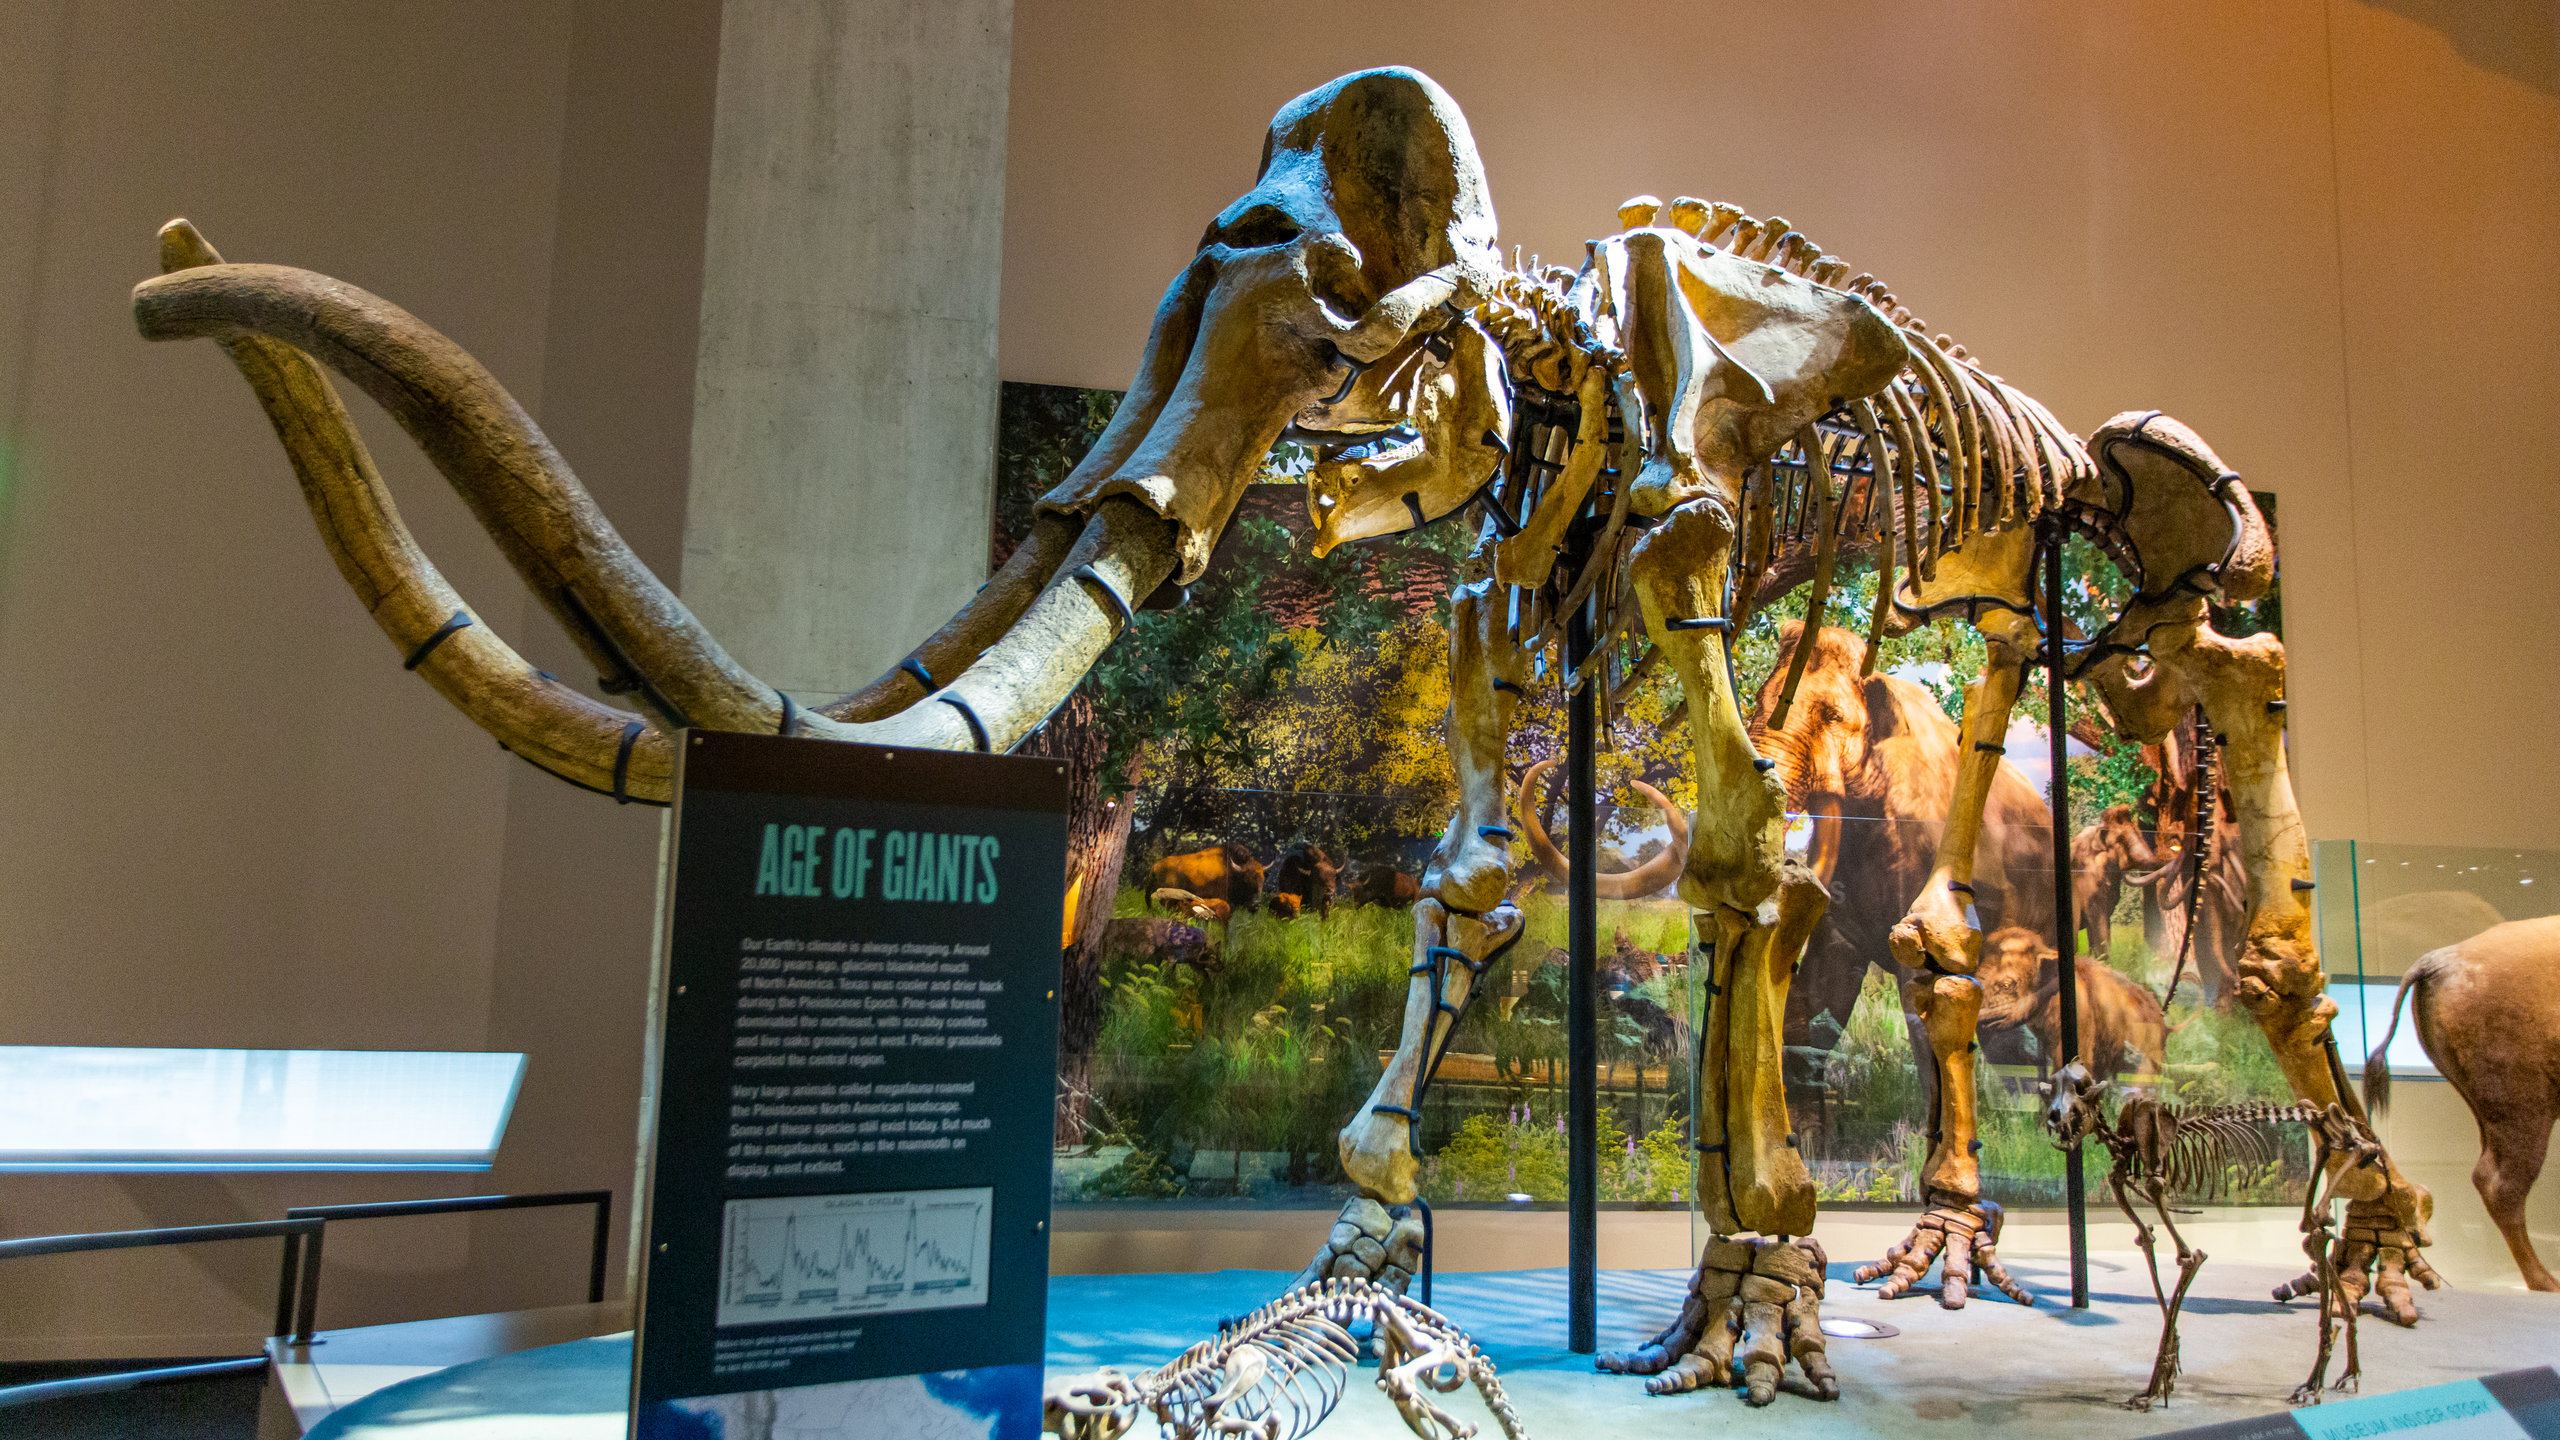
(1993, 1368)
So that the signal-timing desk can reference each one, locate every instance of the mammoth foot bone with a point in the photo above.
(1969, 1236)
(1370, 1242)
(1755, 1305)
(2375, 1257)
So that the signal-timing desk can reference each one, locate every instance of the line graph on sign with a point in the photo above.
(803, 1257)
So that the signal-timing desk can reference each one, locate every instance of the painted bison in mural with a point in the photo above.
(1221, 872)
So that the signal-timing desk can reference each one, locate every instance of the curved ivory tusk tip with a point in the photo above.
(183, 247)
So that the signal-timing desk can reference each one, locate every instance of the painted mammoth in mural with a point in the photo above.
(1873, 761)
(1708, 401)
(2103, 857)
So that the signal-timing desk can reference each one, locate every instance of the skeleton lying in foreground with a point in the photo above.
(1278, 1372)
(1711, 410)
(2166, 1151)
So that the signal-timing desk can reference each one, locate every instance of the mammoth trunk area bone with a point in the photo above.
(1706, 410)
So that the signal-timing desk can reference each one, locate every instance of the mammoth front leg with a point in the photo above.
(1460, 927)
(1939, 944)
(1755, 1303)
(2240, 683)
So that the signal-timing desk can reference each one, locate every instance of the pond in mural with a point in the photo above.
(1267, 781)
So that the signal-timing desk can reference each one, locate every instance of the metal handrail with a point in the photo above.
(41, 1391)
(292, 1229)
(298, 1325)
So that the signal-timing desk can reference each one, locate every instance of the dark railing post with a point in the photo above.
(306, 1319)
(604, 1234)
(2065, 927)
(1582, 1102)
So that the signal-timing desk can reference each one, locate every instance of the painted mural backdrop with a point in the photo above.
(1263, 778)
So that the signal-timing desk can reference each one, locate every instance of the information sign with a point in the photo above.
(848, 1195)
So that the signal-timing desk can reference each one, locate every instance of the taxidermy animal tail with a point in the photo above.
(2377, 1069)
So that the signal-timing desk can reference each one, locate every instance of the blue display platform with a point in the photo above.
(1993, 1368)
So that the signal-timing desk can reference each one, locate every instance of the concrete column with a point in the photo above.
(845, 398)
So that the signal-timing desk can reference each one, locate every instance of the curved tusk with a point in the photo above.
(1634, 884)
(547, 723)
(966, 635)
(635, 629)
(1007, 688)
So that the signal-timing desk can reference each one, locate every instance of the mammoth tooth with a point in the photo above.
(1720, 219)
(1638, 212)
(1829, 269)
(1689, 213)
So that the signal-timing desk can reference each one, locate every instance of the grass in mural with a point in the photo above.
(1228, 1080)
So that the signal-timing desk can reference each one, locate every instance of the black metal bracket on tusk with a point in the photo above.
(1495, 832)
(2275, 707)
(1413, 504)
(460, 622)
(1987, 748)
(1500, 685)
(977, 729)
(1959, 887)
(1410, 1117)
(2301, 885)
(1763, 764)
(1706, 1149)
(924, 677)
(1119, 601)
(622, 762)
(1708, 622)
(790, 716)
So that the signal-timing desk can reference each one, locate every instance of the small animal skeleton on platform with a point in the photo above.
(1278, 1372)
(2165, 1151)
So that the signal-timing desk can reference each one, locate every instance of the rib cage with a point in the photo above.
(2204, 1145)
(1945, 453)
(1278, 1372)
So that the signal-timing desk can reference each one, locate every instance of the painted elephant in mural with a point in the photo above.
(1873, 761)
(2488, 1012)
(2103, 857)
(2121, 1027)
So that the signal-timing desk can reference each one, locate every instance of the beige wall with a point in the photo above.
(2326, 235)
(229, 818)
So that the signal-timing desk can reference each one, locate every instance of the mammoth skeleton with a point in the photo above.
(1709, 409)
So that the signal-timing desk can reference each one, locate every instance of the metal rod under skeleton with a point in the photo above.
(1708, 394)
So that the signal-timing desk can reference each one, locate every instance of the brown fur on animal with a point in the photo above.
(2488, 1012)
(2022, 985)
(1873, 759)
(1282, 907)
(1221, 872)
(1305, 872)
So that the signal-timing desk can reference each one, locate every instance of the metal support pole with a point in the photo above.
(2065, 926)
(1582, 1104)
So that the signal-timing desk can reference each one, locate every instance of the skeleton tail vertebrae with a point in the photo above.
(1009, 657)
(1277, 1373)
